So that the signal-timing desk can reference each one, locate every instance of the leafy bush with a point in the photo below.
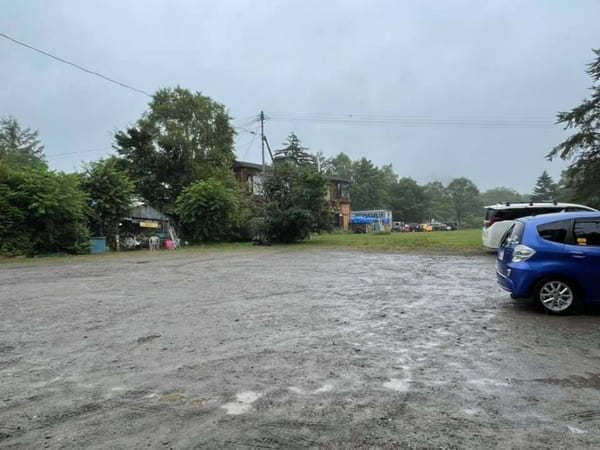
(294, 204)
(110, 192)
(43, 212)
(208, 210)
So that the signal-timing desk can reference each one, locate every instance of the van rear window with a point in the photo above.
(489, 213)
(517, 213)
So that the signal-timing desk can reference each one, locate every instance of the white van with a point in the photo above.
(499, 217)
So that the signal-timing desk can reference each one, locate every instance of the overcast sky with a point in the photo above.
(464, 88)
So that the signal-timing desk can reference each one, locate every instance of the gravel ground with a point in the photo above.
(270, 348)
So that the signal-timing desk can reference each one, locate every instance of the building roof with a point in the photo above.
(336, 178)
(244, 164)
(146, 212)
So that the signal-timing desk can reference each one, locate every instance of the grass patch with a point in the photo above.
(463, 242)
(65, 257)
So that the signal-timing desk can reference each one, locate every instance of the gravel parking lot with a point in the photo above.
(272, 348)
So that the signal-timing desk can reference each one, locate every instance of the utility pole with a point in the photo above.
(262, 139)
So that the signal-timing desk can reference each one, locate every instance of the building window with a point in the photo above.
(257, 185)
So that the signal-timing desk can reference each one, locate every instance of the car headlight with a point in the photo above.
(522, 253)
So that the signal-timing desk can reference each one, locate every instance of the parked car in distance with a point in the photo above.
(500, 217)
(452, 226)
(397, 226)
(426, 227)
(412, 227)
(553, 257)
(438, 226)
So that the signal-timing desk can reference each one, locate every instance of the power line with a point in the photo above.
(77, 66)
(249, 145)
(358, 116)
(244, 129)
(80, 152)
(414, 120)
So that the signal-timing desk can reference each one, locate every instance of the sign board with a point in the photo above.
(149, 224)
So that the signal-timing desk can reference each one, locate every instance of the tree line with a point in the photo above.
(459, 201)
(179, 157)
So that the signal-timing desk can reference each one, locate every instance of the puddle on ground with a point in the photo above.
(396, 384)
(327, 387)
(172, 398)
(242, 404)
(144, 339)
(489, 382)
(592, 381)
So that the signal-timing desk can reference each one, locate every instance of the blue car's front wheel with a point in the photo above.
(557, 296)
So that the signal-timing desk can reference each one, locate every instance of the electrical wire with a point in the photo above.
(249, 145)
(77, 66)
(81, 152)
(414, 120)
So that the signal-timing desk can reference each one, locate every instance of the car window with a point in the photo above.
(576, 208)
(555, 231)
(513, 235)
(509, 214)
(545, 210)
(587, 232)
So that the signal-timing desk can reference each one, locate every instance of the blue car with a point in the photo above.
(554, 258)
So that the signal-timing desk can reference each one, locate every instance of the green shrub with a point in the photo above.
(294, 204)
(43, 211)
(208, 211)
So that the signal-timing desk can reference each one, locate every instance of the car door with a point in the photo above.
(583, 251)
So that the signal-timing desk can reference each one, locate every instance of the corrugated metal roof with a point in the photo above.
(146, 212)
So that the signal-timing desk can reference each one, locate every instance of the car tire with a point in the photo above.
(557, 295)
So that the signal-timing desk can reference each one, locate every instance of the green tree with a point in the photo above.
(501, 194)
(566, 187)
(370, 188)
(545, 189)
(42, 212)
(19, 147)
(182, 139)
(110, 192)
(408, 201)
(583, 147)
(438, 204)
(208, 210)
(341, 165)
(323, 163)
(465, 201)
(294, 152)
(294, 203)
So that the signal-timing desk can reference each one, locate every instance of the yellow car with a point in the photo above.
(427, 227)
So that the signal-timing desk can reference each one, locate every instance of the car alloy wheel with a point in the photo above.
(556, 296)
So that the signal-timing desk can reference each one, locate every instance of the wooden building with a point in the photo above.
(249, 175)
(339, 200)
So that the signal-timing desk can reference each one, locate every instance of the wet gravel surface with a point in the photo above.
(288, 349)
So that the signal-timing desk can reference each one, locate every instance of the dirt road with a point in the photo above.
(271, 348)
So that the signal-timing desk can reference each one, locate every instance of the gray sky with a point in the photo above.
(497, 70)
